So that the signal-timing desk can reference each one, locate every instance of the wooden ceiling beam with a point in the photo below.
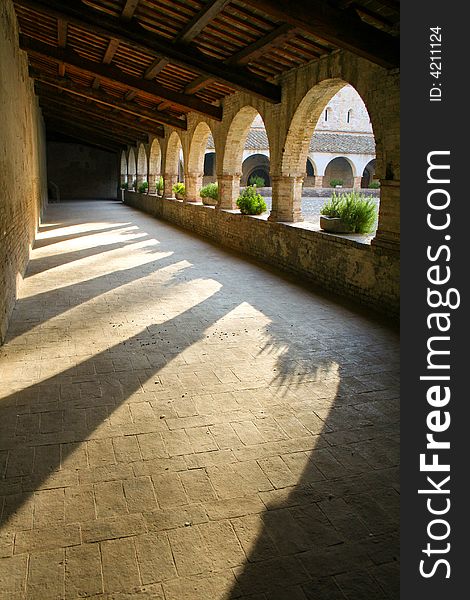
(62, 101)
(93, 129)
(61, 41)
(197, 84)
(113, 74)
(106, 144)
(129, 9)
(251, 52)
(136, 36)
(275, 38)
(107, 58)
(343, 28)
(207, 13)
(104, 99)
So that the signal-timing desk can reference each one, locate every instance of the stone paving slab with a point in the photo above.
(177, 423)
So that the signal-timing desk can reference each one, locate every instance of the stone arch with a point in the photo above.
(303, 124)
(131, 169)
(142, 165)
(341, 168)
(256, 165)
(123, 170)
(229, 179)
(155, 165)
(195, 164)
(368, 175)
(174, 149)
(287, 188)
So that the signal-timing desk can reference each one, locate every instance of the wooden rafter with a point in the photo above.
(104, 144)
(136, 36)
(208, 12)
(107, 58)
(129, 9)
(344, 29)
(64, 103)
(275, 38)
(113, 74)
(125, 137)
(103, 99)
(61, 41)
(251, 52)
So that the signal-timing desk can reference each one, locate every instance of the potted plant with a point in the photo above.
(210, 194)
(143, 187)
(336, 183)
(256, 181)
(250, 202)
(179, 190)
(348, 213)
(159, 186)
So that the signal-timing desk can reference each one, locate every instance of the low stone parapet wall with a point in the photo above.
(361, 272)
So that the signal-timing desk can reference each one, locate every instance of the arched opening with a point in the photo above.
(200, 141)
(310, 168)
(173, 173)
(256, 166)
(368, 175)
(123, 170)
(246, 133)
(339, 172)
(310, 172)
(209, 166)
(155, 167)
(142, 168)
(333, 144)
(131, 170)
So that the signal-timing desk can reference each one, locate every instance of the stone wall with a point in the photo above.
(360, 272)
(22, 163)
(82, 171)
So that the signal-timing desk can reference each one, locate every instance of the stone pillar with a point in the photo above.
(318, 181)
(130, 178)
(287, 197)
(357, 183)
(152, 184)
(140, 179)
(169, 180)
(229, 190)
(193, 183)
(388, 231)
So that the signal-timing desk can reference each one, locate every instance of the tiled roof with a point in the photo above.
(337, 143)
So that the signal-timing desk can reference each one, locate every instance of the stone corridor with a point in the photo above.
(179, 423)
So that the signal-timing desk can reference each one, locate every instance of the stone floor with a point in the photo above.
(179, 423)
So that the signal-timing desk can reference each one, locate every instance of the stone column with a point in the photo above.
(193, 183)
(152, 184)
(318, 181)
(169, 180)
(388, 231)
(140, 179)
(287, 197)
(131, 177)
(357, 183)
(229, 190)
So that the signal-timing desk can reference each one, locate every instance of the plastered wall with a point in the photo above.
(81, 171)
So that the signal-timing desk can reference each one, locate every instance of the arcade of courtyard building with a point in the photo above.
(195, 404)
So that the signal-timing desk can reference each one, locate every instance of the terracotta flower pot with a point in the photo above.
(334, 225)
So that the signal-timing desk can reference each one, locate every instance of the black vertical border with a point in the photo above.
(430, 126)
